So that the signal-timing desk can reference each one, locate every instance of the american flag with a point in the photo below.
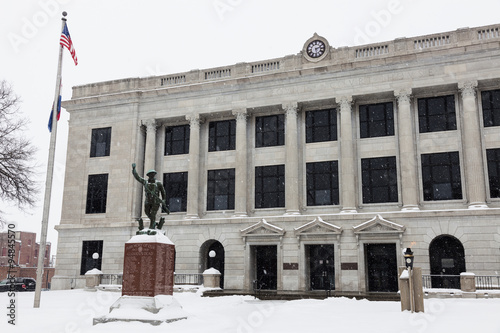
(66, 41)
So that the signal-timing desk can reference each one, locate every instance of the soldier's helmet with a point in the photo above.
(151, 172)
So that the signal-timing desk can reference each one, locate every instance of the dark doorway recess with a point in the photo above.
(381, 267)
(266, 267)
(447, 261)
(89, 248)
(213, 254)
(321, 266)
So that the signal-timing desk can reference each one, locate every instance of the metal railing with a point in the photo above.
(483, 282)
(194, 279)
(112, 279)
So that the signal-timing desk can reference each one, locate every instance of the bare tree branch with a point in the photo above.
(17, 163)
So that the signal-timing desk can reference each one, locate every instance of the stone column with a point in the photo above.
(240, 174)
(291, 160)
(347, 163)
(407, 152)
(473, 157)
(150, 152)
(194, 166)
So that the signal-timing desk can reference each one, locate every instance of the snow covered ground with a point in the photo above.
(73, 311)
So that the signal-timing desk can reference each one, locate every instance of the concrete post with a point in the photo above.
(411, 299)
(468, 282)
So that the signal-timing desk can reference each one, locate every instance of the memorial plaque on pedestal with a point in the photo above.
(148, 268)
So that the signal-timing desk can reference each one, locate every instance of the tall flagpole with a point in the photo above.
(48, 181)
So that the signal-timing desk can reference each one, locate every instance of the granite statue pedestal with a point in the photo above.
(148, 282)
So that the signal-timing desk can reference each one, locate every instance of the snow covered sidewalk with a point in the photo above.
(73, 311)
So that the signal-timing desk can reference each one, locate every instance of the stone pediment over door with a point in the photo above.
(379, 227)
(262, 230)
(317, 228)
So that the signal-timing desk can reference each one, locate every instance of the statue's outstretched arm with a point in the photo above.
(136, 176)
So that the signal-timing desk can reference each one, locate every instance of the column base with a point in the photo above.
(410, 208)
(348, 210)
(478, 205)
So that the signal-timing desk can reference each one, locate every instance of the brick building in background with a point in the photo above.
(25, 257)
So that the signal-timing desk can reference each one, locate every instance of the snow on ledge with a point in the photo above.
(211, 271)
(94, 271)
(157, 238)
(467, 274)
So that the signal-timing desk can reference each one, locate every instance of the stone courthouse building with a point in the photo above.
(305, 172)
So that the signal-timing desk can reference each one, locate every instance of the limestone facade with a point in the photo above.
(462, 64)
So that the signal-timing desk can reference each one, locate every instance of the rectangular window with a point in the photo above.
(491, 107)
(321, 125)
(437, 114)
(220, 189)
(97, 192)
(175, 184)
(270, 131)
(493, 157)
(441, 176)
(322, 183)
(177, 140)
(376, 120)
(100, 142)
(270, 186)
(89, 260)
(379, 178)
(222, 135)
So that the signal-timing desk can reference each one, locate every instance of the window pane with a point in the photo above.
(270, 186)
(97, 191)
(220, 189)
(177, 140)
(222, 135)
(100, 142)
(493, 157)
(491, 107)
(175, 184)
(269, 131)
(321, 125)
(322, 183)
(441, 176)
(437, 114)
(379, 180)
(376, 120)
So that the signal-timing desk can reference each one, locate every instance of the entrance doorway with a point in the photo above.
(214, 256)
(321, 266)
(447, 261)
(381, 267)
(265, 266)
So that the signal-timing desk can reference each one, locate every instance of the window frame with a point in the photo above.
(428, 186)
(217, 140)
(491, 113)
(369, 190)
(314, 181)
(100, 136)
(427, 120)
(174, 146)
(176, 187)
(269, 137)
(367, 123)
(263, 197)
(93, 192)
(313, 127)
(220, 182)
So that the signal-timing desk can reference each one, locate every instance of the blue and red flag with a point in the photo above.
(58, 113)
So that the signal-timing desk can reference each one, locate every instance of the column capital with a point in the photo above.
(403, 95)
(468, 88)
(345, 103)
(290, 107)
(194, 119)
(150, 124)
(240, 113)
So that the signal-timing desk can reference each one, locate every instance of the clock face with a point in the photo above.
(316, 49)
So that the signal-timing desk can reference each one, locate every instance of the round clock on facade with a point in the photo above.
(316, 48)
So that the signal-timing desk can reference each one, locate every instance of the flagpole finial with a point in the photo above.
(64, 16)
(64, 13)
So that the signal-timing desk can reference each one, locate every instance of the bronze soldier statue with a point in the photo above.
(152, 189)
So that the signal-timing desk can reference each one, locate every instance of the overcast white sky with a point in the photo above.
(117, 39)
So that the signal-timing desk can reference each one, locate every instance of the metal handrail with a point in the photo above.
(188, 278)
(483, 282)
